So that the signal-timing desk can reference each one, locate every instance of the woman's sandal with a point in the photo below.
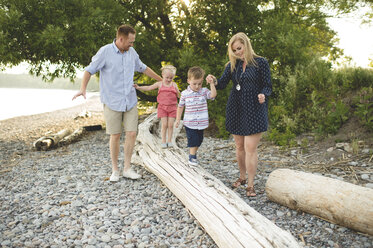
(250, 191)
(238, 183)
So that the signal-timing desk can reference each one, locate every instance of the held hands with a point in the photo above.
(261, 98)
(177, 122)
(136, 86)
(211, 79)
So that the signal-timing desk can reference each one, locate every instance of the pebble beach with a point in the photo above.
(63, 198)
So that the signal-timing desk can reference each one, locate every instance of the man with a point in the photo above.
(117, 63)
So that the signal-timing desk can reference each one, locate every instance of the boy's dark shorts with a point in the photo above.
(195, 137)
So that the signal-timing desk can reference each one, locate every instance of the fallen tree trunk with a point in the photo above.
(340, 202)
(63, 137)
(47, 142)
(225, 216)
(77, 134)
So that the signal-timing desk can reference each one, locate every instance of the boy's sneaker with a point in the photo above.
(193, 161)
(170, 145)
(131, 174)
(164, 145)
(114, 176)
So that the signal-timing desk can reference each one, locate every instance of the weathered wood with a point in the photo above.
(46, 142)
(63, 137)
(339, 202)
(225, 216)
(77, 134)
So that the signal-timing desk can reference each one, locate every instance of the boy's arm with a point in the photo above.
(213, 90)
(178, 115)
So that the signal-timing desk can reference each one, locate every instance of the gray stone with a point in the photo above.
(369, 185)
(365, 177)
(280, 213)
(6, 243)
(365, 150)
(105, 238)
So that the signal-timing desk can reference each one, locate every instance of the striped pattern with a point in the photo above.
(196, 113)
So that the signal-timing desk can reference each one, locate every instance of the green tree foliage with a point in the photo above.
(67, 33)
(61, 33)
(364, 107)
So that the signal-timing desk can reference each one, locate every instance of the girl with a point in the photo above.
(168, 93)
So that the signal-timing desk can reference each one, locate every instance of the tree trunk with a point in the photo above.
(47, 142)
(225, 216)
(77, 134)
(336, 201)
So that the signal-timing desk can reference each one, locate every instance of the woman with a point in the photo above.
(247, 106)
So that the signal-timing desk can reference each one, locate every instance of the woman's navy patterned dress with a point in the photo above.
(244, 114)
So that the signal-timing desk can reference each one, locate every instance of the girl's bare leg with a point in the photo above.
(164, 121)
(170, 129)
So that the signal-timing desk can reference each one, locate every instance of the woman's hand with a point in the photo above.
(211, 79)
(261, 98)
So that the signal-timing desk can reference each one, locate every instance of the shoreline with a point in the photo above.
(37, 101)
(17, 134)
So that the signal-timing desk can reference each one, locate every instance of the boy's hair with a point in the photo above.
(196, 72)
(170, 68)
(125, 30)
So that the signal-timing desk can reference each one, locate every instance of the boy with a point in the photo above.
(196, 119)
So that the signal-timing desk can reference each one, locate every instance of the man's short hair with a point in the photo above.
(125, 30)
(196, 72)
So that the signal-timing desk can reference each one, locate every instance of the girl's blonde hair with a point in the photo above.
(249, 52)
(171, 68)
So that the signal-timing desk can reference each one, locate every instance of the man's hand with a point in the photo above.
(80, 93)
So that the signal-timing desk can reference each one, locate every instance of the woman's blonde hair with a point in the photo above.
(249, 52)
(171, 68)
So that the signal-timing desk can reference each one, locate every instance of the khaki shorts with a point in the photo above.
(115, 119)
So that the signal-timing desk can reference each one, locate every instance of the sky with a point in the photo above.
(356, 40)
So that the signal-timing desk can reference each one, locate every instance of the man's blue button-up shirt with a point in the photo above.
(116, 76)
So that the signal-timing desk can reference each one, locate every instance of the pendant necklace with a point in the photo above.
(238, 86)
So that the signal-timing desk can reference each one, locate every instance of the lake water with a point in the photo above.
(19, 101)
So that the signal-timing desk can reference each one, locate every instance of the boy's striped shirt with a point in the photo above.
(196, 112)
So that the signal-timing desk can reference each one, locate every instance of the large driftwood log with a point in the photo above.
(63, 137)
(77, 134)
(225, 216)
(339, 202)
(47, 142)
